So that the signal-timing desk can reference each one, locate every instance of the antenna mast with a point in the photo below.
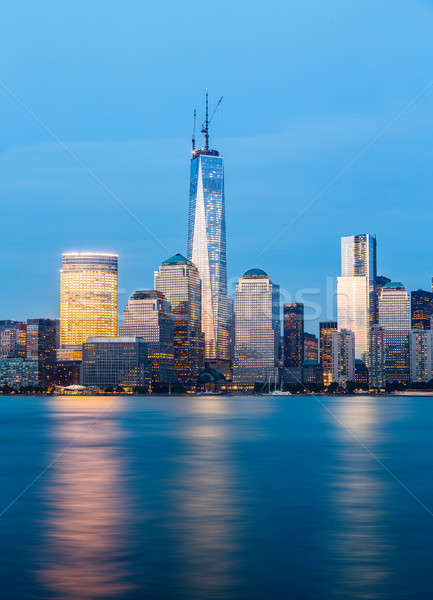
(193, 130)
(205, 126)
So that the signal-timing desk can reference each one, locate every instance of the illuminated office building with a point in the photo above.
(257, 329)
(293, 324)
(148, 315)
(376, 370)
(421, 355)
(394, 317)
(421, 303)
(179, 281)
(88, 300)
(356, 298)
(13, 339)
(41, 347)
(18, 373)
(207, 246)
(327, 328)
(311, 347)
(343, 356)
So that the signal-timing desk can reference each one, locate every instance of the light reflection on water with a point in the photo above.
(86, 527)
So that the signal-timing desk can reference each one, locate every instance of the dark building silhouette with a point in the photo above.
(293, 334)
(41, 346)
(421, 303)
(311, 347)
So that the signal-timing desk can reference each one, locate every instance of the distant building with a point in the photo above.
(257, 329)
(356, 299)
(148, 315)
(394, 317)
(311, 347)
(13, 339)
(113, 361)
(343, 356)
(178, 279)
(361, 374)
(327, 328)
(421, 355)
(41, 346)
(381, 282)
(293, 327)
(376, 369)
(421, 309)
(88, 300)
(18, 373)
(312, 373)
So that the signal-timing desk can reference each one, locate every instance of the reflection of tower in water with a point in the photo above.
(86, 525)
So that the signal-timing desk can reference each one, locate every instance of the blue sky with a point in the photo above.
(306, 86)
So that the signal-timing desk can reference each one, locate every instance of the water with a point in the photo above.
(216, 497)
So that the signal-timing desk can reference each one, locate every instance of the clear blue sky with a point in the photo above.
(306, 86)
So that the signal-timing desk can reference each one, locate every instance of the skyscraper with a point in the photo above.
(88, 300)
(421, 355)
(293, 334)
(148, 315)
(311, 347)
(376, 354)
(421, 303)
(356, 298)
(13, 339)
(178, 279)
(327, 328)
(207, 245)
(257, 330)
(343, 356)
(41, 346)
(394, 317)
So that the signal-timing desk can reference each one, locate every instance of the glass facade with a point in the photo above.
(18, 372)
(149, 315)
(207, 248)
(327, 328)
(311, 347)
(179, 281)
(343, 356)
(356, 296)
(41, 346)
(394, 317)
(88, 299)
(376, 369)
(421, 355)
(421, 309)
(257, 329)
(13, 339)
(293, 323)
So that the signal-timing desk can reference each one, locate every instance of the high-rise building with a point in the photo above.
(113, 361)
(13, 339)
(394, 317)
(207, 245)
(421, 309)
(257, 328)
(327, 328)
(311, 347)
(356, 298)
(343, 356)
(18, 373)
(178, 279)
(376, 370)
(41, 347)
(421, 355)
(293, 324)
(148, 315)
(88, 300)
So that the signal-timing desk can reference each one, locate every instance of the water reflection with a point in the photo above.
(206, 512)
(360, 543)
(87, 519)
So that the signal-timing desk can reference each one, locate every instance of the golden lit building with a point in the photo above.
(327, 328)
(88, 300)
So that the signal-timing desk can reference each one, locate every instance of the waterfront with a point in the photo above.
(216, 497)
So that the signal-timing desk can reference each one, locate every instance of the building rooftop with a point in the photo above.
(176, 260)
(394, 284)
(255, 273)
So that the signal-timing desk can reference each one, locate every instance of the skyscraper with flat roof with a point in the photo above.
(88, 300)
(326, 328)
(421, 303)
(293, 323)
(356, 298)
(421, 355)
(394, 317)
(343, 356)
(207, 246)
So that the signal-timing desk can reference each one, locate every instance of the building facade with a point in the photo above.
(18, 373)
(148, 315)
(293, 334)
(421, 355)
(421, 303)
(356, 297)
(394, 317)
(13, 339)
(179, 281)
(257, 330)
(376, 370)
(207, 246)
(327, 328)
(311, 347)
(88, 300)
(343, 356)
(115, 361)
(41, 347)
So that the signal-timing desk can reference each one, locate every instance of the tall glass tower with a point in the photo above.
(207, 245)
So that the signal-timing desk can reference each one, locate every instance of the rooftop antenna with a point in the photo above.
(193, 130)
(205, 126)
